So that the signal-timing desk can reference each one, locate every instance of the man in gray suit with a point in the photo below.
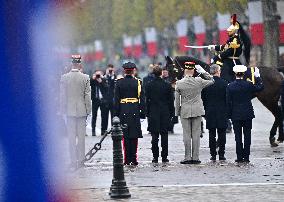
(189, 106)
(75, 105)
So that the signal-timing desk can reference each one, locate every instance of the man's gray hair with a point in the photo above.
(214, 68)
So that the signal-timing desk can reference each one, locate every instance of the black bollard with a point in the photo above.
(118, 187)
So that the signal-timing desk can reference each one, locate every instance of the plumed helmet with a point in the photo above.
(234, 27)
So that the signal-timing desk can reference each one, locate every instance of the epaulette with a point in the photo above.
(137, 78)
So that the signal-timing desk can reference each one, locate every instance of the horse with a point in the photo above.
(269, 97)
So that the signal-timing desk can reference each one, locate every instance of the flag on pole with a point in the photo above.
(223, 24)
(182, 27)
(127, 45)
(137, 52)
(256, 22)
(99, 54)
(151, 40)
(27, 106)
(199, 30)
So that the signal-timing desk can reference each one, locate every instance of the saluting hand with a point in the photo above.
(256, 72)
(199, 69)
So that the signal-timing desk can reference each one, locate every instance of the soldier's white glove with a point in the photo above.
(211, 47)
(199, 69)
(256, 72)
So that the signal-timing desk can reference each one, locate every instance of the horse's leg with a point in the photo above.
(280, 127)
(278, 123)
(272, 105)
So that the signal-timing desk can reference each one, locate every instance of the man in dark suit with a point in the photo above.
(166, 77)
(240, 109)
(214, 101)
(98, 93)
(129, 105)
(160, 110)
(147, 79)
(110, 78)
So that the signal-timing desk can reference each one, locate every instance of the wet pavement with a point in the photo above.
(260, 180)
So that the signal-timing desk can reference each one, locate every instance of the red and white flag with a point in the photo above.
(151, 40)
(182, 27)
(256, 22)
(223, 24)
(199, 30)
(280, 10)
(127, 45)
(137, 46)
(99, 54)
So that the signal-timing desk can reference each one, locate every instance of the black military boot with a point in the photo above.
(213, 158)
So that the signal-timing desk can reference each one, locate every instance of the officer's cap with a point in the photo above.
(239, 68)
(129, 65)
(189, 65)
(76, 59)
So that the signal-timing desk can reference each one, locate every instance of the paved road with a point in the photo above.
(261, 180)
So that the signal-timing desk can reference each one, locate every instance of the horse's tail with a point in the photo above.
(247, 43)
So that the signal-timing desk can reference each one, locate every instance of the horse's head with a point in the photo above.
(174, 70)
(175, 66)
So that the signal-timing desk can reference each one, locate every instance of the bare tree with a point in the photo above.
(270, 53)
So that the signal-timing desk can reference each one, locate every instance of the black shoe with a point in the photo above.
(222, 158)
(246, 160)
(165, 160)
(213, 158)
(134, 163)
(185, 162)
(155, 160)
(239, 160)
(195, 161)
(126, 163)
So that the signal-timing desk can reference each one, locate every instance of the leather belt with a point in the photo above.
(129, 100)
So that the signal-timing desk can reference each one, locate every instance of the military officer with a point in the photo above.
(240, 109)
(75, 105)
(129, 105)
(189, 106)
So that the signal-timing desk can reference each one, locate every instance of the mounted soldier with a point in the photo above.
(228, 54)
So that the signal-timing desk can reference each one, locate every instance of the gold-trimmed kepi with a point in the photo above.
(189, 65)
(76, 58)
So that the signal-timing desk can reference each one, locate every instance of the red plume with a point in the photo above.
(234, 19)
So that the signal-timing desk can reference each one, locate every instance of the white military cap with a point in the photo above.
(239, 68)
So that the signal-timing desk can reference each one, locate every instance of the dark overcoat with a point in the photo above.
(129, 113)
(239, 95)
(214, 101)
(160, 105)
